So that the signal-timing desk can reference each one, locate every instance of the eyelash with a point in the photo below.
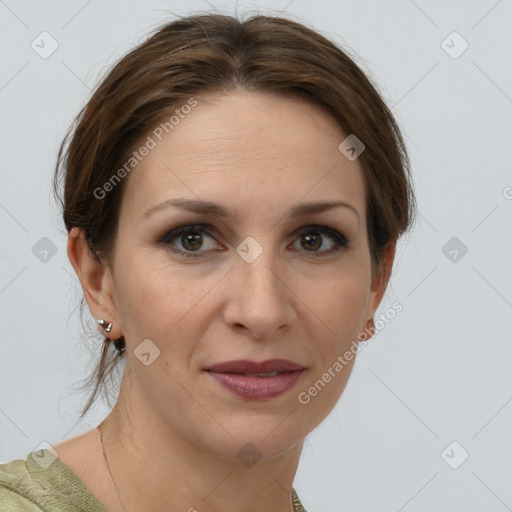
(340, 240)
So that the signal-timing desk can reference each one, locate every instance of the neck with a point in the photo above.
(155, 467)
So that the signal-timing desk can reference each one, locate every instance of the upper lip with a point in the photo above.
(247, 366)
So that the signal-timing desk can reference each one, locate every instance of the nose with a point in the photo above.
(260, 298)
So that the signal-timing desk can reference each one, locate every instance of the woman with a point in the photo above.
(233, 194)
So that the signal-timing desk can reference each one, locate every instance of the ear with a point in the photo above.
(96, 280)
(379, 284)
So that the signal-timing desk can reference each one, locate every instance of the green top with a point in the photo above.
(42, 483)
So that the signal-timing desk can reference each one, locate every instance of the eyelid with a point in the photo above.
(341, 242)
(173, 231)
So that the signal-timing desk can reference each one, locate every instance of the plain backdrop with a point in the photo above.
(435, 385)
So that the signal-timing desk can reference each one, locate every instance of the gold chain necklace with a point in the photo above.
(108, 467)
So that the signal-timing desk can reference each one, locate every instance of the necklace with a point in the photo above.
(110, 472)
(107, 464)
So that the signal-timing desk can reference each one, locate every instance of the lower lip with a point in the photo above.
(257, 388)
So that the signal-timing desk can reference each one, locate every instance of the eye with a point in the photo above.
(313, 237)
(190, 237)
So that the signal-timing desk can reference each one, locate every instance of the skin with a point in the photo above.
(173, 436)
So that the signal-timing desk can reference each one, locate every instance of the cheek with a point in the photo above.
(343, 301)
(157, 299)
(159, 302)
(341, 306)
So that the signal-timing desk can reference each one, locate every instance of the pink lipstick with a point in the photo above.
(256, 381)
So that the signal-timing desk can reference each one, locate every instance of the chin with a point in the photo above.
(253, 436)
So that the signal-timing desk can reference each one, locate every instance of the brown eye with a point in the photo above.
(192, 241)
(312, 238)
(191, 238)
(313, 241)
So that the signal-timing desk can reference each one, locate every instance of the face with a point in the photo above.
(259, 283)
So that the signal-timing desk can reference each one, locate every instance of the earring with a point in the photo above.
(107, 327)
(368, 332)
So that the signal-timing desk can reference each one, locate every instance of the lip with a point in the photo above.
(230, 375)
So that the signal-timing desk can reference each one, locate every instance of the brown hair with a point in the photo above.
(214, 53)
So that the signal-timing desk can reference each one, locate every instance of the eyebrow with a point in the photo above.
(217, 210)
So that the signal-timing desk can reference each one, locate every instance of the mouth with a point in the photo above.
(256, 381)
(246, 366)
(268, 374)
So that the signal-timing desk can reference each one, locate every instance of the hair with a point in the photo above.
(205, 54)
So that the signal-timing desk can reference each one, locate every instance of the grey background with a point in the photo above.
(438, 373)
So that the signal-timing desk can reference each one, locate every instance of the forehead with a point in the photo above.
(247, 150)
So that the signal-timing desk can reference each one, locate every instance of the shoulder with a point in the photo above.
(18, 491)
(42, 483)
